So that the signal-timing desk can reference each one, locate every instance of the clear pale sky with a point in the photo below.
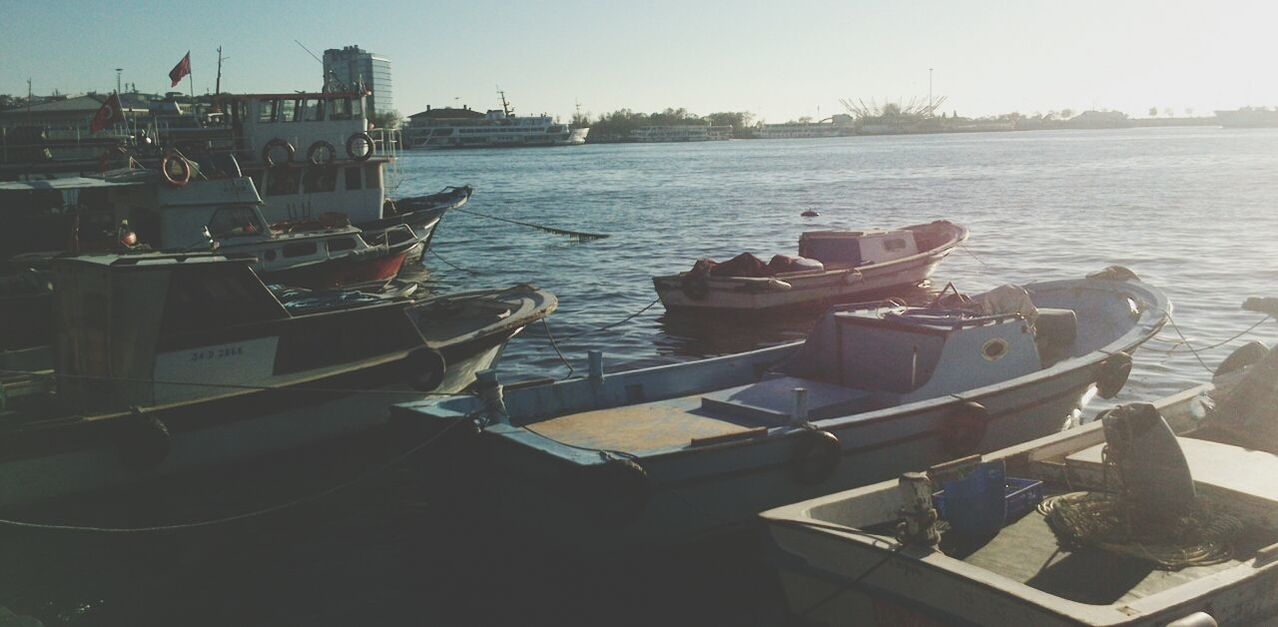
(779, 60)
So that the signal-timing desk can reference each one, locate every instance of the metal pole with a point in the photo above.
(118, 71)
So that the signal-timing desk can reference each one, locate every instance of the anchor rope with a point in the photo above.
(453, 265)
(580, 235)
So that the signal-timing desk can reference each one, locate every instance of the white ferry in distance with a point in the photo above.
(466, 128)
(1248, 117)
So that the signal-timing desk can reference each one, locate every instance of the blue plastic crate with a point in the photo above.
(1022, 496)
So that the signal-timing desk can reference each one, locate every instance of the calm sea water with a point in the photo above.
(1189, 210)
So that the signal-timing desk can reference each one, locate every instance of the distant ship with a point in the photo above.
(1248, 117)
(466, 128)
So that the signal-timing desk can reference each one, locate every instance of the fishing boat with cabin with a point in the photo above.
(1153, 514)
(165, 363)
(133, 208)
(832, 267)
(665, 453)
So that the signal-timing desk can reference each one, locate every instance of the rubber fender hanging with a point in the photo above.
(426, 369)
(142, 441)
(183, 174)
(268, 152)
(364, 138)
(1113, 376)
(1115, 273)
(616, 492)
(1245, 355)
(964, 428)
(321, 153)
(695, 286)
(816, 456)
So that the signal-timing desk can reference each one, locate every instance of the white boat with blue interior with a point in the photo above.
(665, 452)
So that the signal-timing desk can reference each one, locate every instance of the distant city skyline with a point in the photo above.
(778, 62)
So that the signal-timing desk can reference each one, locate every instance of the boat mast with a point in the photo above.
(505, 106)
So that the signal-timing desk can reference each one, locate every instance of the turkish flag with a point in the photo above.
(181, 69)
(109, 115)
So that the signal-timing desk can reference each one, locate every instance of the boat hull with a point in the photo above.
(352, 271)
(816, 291)
(226, 430)
(714, 491)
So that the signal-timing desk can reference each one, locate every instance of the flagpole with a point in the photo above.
(190, 76)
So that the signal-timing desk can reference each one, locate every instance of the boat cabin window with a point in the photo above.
(339, 109)
(266, 110)
(282, 181)
(320, 179)
(352, 179)
(288, 110)
(300, 249)
(344, 243)
(372, 176)
(357, 107)
(235, 222)
(312, 110)
(204, 298)
(894, 244)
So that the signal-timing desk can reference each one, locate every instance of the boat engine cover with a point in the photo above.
(1151, 466)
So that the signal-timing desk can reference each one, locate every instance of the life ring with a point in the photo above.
(319, 148)
(695, 286)
(183, 175)
(616, 492)
(1245, 355)
(1113, 375)
(1115, 273)
(426, 369)
(964, 428)
(268, 151)
(816, 456)
(368, 143)
(142, 441)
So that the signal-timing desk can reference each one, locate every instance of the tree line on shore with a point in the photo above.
(616, 126)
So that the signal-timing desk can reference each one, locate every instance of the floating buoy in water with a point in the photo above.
(809, 214)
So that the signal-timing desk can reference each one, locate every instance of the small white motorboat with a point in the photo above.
(1154, 514)
(832, 267)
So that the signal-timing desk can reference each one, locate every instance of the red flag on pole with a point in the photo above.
(181, 69)
(109, 115)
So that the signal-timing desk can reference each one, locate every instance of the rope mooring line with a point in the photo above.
(580, 235)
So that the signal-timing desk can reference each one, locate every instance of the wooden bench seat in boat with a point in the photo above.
(772, 400)
(1245, 477)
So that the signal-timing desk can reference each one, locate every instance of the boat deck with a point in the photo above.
(644, 428)
(1026, 551)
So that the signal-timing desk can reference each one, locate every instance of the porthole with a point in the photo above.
(994, 349)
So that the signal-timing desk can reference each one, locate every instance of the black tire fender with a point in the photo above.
(816, 456)
(1113, 375)
(357, 138)
(964, 428)
(313, 153)
(268, 152)
(426, 369)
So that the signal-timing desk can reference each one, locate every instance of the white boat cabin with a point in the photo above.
(857, 248)
(312, 153)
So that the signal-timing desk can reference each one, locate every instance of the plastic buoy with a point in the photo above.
(809, 214)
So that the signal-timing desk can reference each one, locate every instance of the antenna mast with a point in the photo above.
(217, 89)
